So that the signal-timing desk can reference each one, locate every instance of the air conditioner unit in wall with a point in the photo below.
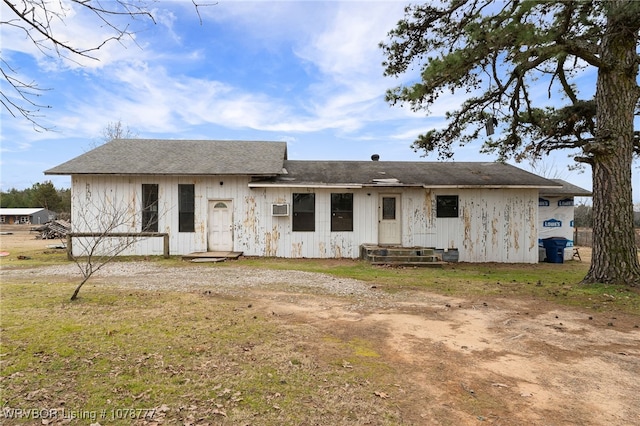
(280, 209)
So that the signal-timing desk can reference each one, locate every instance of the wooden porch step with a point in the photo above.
(202, 255)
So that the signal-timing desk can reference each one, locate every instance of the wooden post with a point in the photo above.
(166, 245)
(69, 247)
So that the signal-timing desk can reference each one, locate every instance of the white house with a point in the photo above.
(249, 197)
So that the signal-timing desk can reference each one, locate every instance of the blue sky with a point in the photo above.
(308, 73)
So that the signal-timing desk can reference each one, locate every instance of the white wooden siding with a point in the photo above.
(494, 225)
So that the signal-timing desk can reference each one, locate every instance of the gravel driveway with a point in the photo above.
(224, 281)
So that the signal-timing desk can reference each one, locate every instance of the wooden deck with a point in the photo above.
(211, 256)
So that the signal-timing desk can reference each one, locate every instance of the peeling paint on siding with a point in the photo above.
(429, 208)
(532, 219)
(133, 210)
(508, 228)
(494, 230)
(271, 242)
(466, 218)
(484, 231)
(249, 224)
(322, 247)
(296, 250)
(202, 232)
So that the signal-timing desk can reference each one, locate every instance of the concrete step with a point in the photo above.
(400, 251)
(402, 258)
(413, 256)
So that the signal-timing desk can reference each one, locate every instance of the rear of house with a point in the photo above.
(248, 197)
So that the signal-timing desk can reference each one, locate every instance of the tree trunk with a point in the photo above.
(615, 258)
(74, 296)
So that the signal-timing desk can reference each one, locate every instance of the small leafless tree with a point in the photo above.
(103, 216)
(40, 20)
(118, 130)
(548, 168)
(114, 130)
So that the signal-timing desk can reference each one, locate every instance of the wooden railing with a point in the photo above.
(164, 235)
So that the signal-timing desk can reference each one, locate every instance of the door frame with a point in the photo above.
(398, 219)
(210, 209)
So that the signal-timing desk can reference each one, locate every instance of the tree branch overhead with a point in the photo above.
(500, 55)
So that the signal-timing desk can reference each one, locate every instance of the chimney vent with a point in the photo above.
(375, 157)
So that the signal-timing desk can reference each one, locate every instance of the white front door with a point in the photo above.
(389, 220)
(220, 236)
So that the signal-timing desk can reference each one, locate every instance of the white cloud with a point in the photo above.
(82, 30)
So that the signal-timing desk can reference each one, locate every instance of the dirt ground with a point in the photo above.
(524, 361)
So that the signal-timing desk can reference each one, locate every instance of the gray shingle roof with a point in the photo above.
(267, 159)
(178, 157)
(567, 189)
(404, 173)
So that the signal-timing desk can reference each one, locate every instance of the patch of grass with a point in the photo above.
(30, 258)
(33, 258)
(363, 348)
(185, 355)
(552, 282)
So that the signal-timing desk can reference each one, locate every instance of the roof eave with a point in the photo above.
(266, 174)
(304, 185)
(497, 186)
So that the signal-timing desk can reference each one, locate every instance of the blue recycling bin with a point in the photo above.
(554, 249)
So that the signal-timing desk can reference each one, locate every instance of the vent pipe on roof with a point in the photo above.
(375, 157)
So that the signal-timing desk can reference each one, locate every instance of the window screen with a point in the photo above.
(388, 208)
(304, 212)
(149, 208)
(186, 208)
(341, 212)
(447, 206)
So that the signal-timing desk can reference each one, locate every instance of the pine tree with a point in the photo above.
(501, 54)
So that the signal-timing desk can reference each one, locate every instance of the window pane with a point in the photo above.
(304, 212)
(341, 212)
(186, 208)
(388, 208)
(150, 208)
(447, 206)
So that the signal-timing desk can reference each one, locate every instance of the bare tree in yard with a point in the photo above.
(118, 130)
(501, 55)
(104, 217)
(40, 22)
(115, 130)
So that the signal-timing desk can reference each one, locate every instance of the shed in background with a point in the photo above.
(33, 216)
